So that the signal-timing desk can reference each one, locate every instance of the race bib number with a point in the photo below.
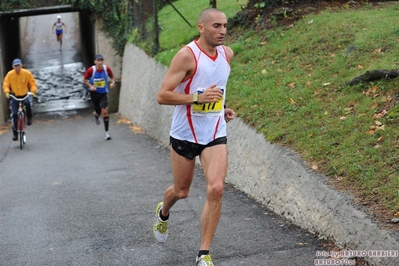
(211, 109)
(99, 83)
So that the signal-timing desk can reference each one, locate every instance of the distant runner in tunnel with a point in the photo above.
(96, 78)
(59, 25)
(19, 82)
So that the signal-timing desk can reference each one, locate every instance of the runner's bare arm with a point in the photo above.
(181, 67)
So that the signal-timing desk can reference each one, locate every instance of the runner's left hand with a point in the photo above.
(229, 114)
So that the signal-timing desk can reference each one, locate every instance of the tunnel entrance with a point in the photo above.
(57, 66)
(58, 70)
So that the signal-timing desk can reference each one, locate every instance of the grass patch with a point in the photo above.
(289, 84)
(175, 31)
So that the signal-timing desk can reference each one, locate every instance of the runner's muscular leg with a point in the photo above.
(214, 162)
(183, 171)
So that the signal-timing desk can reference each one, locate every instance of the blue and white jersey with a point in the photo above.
(99, 79)
(58, 28)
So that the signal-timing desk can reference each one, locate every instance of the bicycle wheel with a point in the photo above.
(21, 139)
(21, 130)
(24, 129)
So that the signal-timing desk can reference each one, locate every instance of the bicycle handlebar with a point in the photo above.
(20, 99)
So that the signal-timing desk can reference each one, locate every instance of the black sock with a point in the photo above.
(106, 122)
(163, 218)
(203, 252)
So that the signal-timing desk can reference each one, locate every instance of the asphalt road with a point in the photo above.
(72, 198)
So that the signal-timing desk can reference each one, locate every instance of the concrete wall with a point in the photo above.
(141, 79)
(270, 174)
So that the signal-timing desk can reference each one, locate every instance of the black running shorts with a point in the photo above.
(190, 150)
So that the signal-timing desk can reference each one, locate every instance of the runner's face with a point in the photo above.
(99, 63)
(214, 29)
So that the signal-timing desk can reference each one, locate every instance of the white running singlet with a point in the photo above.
(202, 123)
(58, 25)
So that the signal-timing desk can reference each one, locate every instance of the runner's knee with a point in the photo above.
(215, 191)
(181, 194)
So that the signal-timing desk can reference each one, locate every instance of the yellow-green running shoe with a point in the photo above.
(160, 228)
(204, 260)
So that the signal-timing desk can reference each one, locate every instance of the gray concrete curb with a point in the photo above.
(268, 173)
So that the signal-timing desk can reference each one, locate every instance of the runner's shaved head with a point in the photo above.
(206, 13)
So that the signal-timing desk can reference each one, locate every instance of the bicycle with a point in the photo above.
(22, 119)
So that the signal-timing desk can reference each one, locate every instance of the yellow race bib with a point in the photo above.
(213, 109)
(99, 83)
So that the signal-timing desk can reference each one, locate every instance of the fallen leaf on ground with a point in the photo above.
(136, 129)
(123, 120)
(317, 92)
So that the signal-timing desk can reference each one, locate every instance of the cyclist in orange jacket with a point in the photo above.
(19, 82)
